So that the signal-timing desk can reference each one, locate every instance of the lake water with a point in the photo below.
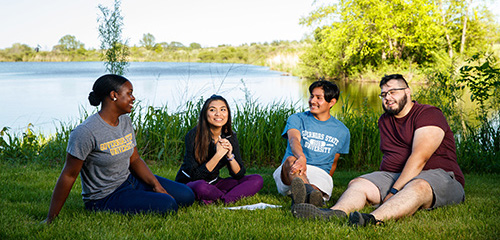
(46, 93)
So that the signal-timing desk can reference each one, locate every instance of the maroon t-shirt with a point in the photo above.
(396, 139)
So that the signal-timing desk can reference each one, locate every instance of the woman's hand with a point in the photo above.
(226, 145)
(159, 189)
(222, 148)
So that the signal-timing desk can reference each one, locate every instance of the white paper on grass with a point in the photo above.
(253, 206)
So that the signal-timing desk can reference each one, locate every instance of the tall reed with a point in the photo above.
(30, 147)
(160, 134)
(259, 131)
(364, 152)
(160, 137)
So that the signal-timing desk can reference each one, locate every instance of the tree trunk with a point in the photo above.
(447, 35)
(464, 29)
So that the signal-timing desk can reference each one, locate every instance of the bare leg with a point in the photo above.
(359, 192)
(416, 194)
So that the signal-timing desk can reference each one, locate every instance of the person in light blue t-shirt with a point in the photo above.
(315, 141)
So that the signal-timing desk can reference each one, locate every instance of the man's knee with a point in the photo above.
(358, 182)
(366, 187)
(289, 161)
(285, 169)
(419, 186)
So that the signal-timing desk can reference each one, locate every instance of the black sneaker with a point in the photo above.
(316, 198)
(309, 211)
(298, 189)
(363, 219)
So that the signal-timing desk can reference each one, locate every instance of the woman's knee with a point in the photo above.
(257, 180)
(200, 187)
(185, 196)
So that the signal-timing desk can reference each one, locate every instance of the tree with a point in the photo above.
(148, 41)
(18, 52)
(69, 43)
(115, 50)
(195, 45)
(175, 45)
(482, 75)
(354, 34)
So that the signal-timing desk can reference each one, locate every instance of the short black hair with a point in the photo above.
(331, 90)
(388, 78)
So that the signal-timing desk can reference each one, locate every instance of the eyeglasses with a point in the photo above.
(383, 95)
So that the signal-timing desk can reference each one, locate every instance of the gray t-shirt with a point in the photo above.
(106, 152)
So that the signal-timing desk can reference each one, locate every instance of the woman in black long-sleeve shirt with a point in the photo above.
(210, 146)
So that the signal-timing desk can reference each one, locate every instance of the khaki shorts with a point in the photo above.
(316, 176)
(446, 189)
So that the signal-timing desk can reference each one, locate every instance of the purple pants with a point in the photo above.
(226, 189)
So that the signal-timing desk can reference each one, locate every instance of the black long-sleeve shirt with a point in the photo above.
(191, 170)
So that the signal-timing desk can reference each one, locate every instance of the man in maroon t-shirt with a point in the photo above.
(419, 167)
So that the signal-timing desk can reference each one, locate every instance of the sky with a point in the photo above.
(208, 22)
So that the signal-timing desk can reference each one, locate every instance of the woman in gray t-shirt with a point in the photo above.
(103, 151)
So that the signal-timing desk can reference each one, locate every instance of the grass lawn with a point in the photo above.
(26, 190)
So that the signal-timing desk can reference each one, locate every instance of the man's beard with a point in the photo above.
(401, 105)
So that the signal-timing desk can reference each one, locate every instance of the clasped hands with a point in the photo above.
(224, 145)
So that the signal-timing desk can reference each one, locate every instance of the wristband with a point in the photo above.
(231, 158)
(393, 191)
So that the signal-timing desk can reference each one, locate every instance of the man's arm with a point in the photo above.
(425, 142)
(334, 164)
(294, 138)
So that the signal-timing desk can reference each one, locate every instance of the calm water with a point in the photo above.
(46, 93)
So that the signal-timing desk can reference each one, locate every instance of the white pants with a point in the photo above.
(315, 175)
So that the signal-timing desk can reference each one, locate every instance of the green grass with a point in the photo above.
(26, 191)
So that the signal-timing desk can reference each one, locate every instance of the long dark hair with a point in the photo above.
(103, 86)
(203, 135)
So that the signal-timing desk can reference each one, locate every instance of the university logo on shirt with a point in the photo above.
(319, 142)
(119, 145)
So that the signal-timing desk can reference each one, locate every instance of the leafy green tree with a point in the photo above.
(115, 49)
(148, 41)
(195, 45)
(354, 34)
(69, 43)
(18, 52)
(482, 76)
(175, 45)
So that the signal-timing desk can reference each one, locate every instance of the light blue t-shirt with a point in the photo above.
(320, 140)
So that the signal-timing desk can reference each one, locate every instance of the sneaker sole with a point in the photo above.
(298, 191)
(309, 211)
(316, 199)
